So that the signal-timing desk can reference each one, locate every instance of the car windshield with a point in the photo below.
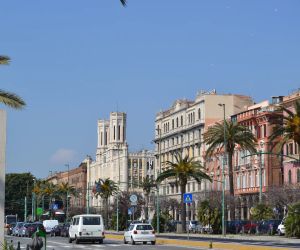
(194, 222)
(144, 227)
(91, 221)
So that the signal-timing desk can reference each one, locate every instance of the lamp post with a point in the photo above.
(223, 172)
(67, 202)
(157, 200)
(33, 202)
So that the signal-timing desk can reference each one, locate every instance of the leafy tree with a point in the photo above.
(262, 212)
(289, 129)
(183, 170)
(17, 186)
(163, 218)
(292, 221)
(147, 185)
(105, 188)
(63, 190)
(7, 98)
(235, 134)
(209, 215)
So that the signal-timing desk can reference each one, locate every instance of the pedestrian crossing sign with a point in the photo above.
(187, 198)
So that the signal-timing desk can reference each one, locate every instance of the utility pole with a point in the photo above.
(223, 172)
(33, 202)
(67, 201)
(260, 176)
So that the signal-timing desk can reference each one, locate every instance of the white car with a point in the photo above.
(281, 228)
(49, 225)
(140, 232)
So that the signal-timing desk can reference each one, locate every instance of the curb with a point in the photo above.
(203, 244)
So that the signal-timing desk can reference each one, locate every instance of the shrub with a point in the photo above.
(292, 221)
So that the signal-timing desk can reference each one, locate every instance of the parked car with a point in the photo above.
(56, 230)
(281, 228)
(49, 224)
(23, 231)
(250, 227)
(15, 231)
(140, 233)
(64, 232)
(192, 225)
(235, 226)
(10, 228)
(268, 226)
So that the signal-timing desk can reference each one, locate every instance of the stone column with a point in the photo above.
(2, 171)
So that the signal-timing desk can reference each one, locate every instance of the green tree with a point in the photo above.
(64, 190)
(289, 128)
(105, 188)
(17, 186)
(209, 215)
(147, 185)
(183, 169)
(235, 134)
(7, 98)
(262, 212)
(292, 221)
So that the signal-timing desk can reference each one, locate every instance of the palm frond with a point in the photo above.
(4, 60)
(123, 2)
(12, 100)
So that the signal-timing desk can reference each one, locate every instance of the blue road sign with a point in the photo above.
(187, 198)
(55, 206)
(130, 211)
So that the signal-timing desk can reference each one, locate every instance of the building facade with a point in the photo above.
(179, 130)
(115, 162)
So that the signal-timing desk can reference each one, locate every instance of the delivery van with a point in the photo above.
(86, 227)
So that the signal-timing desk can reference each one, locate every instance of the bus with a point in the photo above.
(9, 219)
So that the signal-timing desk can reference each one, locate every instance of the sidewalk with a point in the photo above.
(236, 242)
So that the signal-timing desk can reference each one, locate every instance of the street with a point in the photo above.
(59, 243)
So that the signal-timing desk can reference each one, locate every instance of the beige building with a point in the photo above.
(114, 161)
(180, 128)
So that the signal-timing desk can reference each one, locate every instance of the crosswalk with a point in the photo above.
(85, 246)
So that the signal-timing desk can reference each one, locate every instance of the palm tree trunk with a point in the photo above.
(183, 208)
(231, 186)
(106, 212)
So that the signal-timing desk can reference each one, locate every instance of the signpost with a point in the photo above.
(133, 201)
(188, 199)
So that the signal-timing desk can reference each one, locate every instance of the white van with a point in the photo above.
(49, 224)
(87, 227)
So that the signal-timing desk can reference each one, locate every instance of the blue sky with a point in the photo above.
(75, 61)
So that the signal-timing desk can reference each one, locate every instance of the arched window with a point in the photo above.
(177, 122)
(290, 177)
(199, 114)
(298, 175)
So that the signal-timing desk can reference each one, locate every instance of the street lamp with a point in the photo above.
(223, 172)
(67, 202)
(33, 202)
(157, 202)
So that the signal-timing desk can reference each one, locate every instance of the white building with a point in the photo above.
(114, 161)
(180, 128)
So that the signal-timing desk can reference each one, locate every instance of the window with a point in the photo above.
(177, 122)
(298, 175)
(181, 120)
(91, 221)
(291, 151)
(114, 132)
(144, 227)
(119, 132)
(290, 177)
(105, 139)
(199, 114)
(101, 135)
(172, 123)
(265, 130)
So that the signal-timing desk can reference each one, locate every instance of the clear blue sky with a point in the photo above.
(75, 61)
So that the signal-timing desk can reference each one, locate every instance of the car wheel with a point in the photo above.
(70, 240)
(153, 242)
(101, 241)
(132, 241)
(125, 242)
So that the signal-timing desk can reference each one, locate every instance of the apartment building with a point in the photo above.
(179, 130)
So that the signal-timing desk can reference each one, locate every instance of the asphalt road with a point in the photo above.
(59, 243)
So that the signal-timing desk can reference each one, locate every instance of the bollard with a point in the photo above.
(210, 246)
(19, 246)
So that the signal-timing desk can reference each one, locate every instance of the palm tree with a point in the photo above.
(235, 134)
(289, 129)
(10, 99)
(64, 190)
(123, 2)
(50, 190)
(105, 188)
(147, 185)
(183, 169)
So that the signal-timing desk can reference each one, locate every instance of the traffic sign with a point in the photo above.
(39, 211)
(130, 210)
(133, 199)
(187, 198)
(54, 206)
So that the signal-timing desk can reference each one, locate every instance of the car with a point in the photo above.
(86, 227)
(10, 228)
(281, 227)
(49, 224)
(250, 227)
(56, 230)
(141, 232)
(268, 226)
(23, 231)
(15, 231)
(64, 232)
(192, 225)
